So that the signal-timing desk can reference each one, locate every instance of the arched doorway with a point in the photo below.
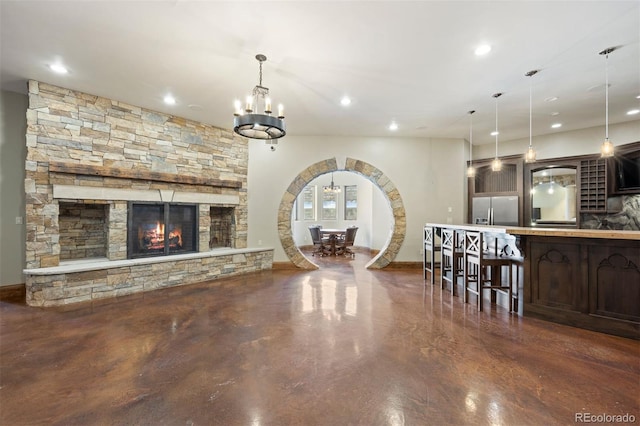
(394, 242)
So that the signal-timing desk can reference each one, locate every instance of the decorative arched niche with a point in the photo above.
(398, 232)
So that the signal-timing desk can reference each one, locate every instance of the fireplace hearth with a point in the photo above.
(160, 229)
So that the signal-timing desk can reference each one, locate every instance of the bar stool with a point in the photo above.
(452, 255)
(430, 249)
(483, 270)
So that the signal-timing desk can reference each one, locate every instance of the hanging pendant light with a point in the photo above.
(254, 125)
(530, 155)
(496, 164)
(471, 171)
(606, 149)
(332, 188)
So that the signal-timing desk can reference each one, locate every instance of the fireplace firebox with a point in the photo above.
(160, 229)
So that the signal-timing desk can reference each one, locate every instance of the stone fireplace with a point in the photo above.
(120, 199)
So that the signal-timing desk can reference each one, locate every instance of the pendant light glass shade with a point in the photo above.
(471, 171)
(606, 149)
(496, 164)
(530, 155)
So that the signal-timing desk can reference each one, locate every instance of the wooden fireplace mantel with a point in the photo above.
(90, 170)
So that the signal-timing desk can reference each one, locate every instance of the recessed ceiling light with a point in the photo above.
(58, 68)
(195, 107)
(483, 49)
(633, 111)
(552, 99)
(555, 113)
(556, 125)
(638, 97)
(169, 100)
(495, 133)
(393, 126)
(345, 101)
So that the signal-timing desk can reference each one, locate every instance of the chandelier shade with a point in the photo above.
(255, 125)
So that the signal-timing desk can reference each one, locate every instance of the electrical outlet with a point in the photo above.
(18, 220)
(449, 220)
(449, 209)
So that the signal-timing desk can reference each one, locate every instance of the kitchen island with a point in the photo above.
(581, 277)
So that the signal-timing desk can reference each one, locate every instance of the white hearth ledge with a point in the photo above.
(96, 264)
(75, 192)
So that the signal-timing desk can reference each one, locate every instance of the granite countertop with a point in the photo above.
(548, 232)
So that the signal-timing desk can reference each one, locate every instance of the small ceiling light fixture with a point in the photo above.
(556, 125)
(633, 111)
(393, 126)
(482, 49)
(332, 188)
(496, 164)
(345, 101)
(606, 149)
(169, 100)
(58, 68)
(471, 171)
(255, 125)
(530, 155)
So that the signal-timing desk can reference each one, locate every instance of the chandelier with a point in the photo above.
(331, 188)
(254, 125)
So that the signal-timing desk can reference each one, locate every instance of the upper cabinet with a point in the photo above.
(486, 182)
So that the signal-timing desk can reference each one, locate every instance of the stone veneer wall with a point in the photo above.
(83, 230)
(72, 287)
(67, 126)
(628, 219)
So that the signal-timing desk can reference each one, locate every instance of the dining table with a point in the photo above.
(334, 236)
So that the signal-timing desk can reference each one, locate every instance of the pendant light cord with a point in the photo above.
(606, 91)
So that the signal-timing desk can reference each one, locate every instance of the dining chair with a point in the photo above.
(345, 245)
(318, 241)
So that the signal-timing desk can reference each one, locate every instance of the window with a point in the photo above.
(351, 202)
(329, 205)
(308, 203)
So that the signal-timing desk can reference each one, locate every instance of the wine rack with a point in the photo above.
(593, 185)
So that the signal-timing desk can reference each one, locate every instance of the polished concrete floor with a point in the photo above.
(338, 346)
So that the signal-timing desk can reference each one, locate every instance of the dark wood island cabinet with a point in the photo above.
(584, 278)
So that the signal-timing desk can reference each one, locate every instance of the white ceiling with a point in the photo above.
(412, 62)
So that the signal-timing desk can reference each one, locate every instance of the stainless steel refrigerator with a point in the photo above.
(499, 210)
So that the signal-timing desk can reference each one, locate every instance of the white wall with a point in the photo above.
(13, 151)
(429, 174)
(565, 144)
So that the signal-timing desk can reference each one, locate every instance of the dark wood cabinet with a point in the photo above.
(487, 183)
(591, 283)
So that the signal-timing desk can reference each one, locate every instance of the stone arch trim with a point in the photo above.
(397, 233)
